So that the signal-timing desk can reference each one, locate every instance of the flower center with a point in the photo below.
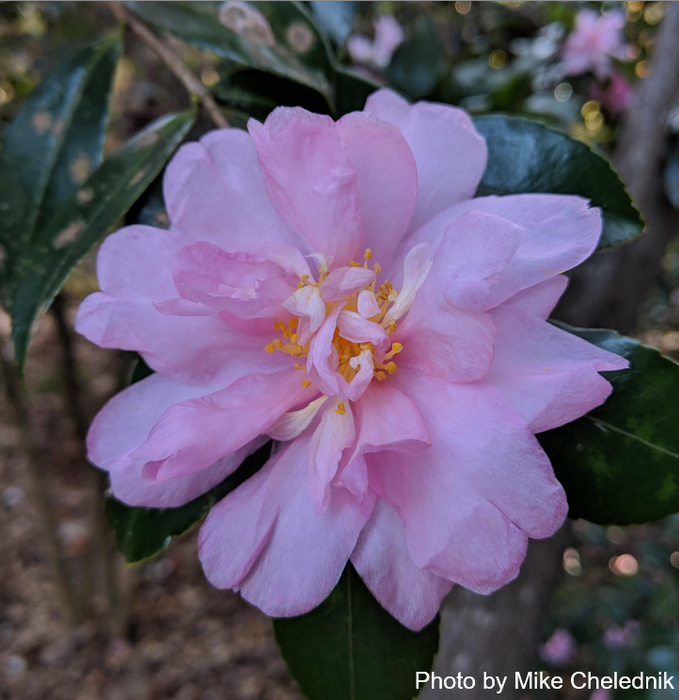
(365, 301)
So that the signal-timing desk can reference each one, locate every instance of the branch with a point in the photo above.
(174, 63)
(39, 490)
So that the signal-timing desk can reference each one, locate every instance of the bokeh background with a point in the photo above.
(164, 632)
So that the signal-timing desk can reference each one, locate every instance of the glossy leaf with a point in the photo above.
(352, 91)
(417, 64)
(277, 37)
(85, 218)
(620, 463)
(524, 156)
(50, 148)
(141, 533)
(350, 648)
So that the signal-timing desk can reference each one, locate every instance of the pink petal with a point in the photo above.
(334, 433)
(469, 523)
(540, 299)
(416, 267)
(194, 434)
(387, 180)
(449, 153)
(267, 539)
(310, 180)
(126, 421)
(549, 375)
(388, 420)
(307, 302)
(322, 360)
(136, 263)
(345, 281)
(412, 595)
(561, 232)
(214, 192)
(244, 285)
(367, 304)
(356, 329)
(294, 423)
(388, 36)
(191, 349)
(438, 338)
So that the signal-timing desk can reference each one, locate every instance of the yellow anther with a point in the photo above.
(298, 366)
(390, 367)
(380, 376)
(368, 254)
(367, 346)
(286, 333)
(340, 409)
(377, 267)
(292, 322)
(302, 281)
(353, 263)
(280, 326)
(293, 338)
(269, 347)
(396, 348)
(278, 343)
(306, 383)
(391, 326)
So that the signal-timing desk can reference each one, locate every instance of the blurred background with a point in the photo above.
(164, 632)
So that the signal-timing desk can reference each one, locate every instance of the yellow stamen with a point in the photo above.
(377, 267)
(380, 376)
(368, 254)
(353, 263)
(395, 349)
(341, 410)
(391, 326)
(269, 347)
(306, 383)
(390, 367)
(298, 366)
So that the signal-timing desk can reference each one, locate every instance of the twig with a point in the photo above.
(14, 391)
(174, 63)
(102, 555)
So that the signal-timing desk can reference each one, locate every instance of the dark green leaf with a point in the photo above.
(524, 156)
(352, 91)
(620, 463)
(99, 203)
(258, 93)
(336, 17)
(418, 63)
(350, 648)
(49, 150)
(143, 532)
(277, 37)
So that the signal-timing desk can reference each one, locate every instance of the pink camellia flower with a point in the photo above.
(595, 40)
(333, 285)
(378, 52)
(559, 649)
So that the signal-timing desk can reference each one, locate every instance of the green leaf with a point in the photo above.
(258, 93)
(620, 463)
(50, 148)
(350, 648)
(141, 533)
(524, 156)
(276, 37)
(418, 63)
(353, 90)
(97, 205)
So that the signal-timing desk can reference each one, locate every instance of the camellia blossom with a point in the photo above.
(616, 96)
(335, 286)
(378, 52)
(595, 40)
(559, 649)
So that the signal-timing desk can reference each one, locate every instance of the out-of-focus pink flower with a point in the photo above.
(559, 649)
(616, 96)
(595, 40)
(378, 52)
(334, 285)
(601, 694)
(616, 637)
